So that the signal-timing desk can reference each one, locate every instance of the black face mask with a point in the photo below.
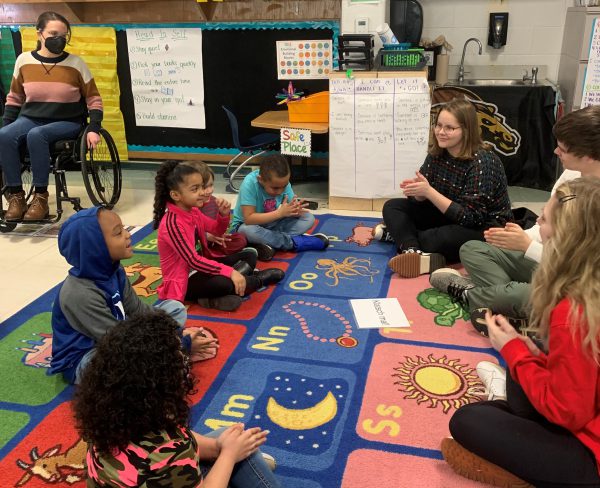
(56, 44)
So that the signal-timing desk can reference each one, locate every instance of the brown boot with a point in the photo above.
(17, 206)
(38, 209)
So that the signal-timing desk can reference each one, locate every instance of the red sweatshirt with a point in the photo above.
(563, 385)
(178, 233)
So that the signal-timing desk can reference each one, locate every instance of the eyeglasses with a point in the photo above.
(562, 149)
(566, 198)
(448, 129)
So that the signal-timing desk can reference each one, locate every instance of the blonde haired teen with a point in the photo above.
(547, 432)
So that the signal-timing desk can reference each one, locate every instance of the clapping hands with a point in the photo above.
(203, 347)
(239, 443)
(511, 237)
(418, 187)
(295, 208)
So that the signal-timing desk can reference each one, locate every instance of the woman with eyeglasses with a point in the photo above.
(460, 191)
(132, 409)
(547, 431)
(51, 93)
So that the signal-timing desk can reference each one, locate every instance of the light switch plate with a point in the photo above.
(361, 25)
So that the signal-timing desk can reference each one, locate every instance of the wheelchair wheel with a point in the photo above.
(27, 179)
(101, 169)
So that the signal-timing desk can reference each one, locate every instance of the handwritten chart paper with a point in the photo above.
(371, 313)
(379, 130)
(298, 60)
(591, 86)
(166, 77)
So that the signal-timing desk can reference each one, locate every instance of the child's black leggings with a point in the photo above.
(212, 286)
(514, 436)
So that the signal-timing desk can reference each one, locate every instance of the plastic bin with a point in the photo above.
(314, 108)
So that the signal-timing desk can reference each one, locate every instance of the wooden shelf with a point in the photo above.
(161, 11)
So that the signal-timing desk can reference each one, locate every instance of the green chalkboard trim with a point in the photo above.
(334, 25)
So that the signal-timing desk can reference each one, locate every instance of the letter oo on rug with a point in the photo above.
(48, 465)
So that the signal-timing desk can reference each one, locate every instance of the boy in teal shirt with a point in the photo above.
(269, 214)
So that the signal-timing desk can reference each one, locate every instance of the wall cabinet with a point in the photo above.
(574, 53)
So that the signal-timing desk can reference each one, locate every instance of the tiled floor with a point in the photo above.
(30, 266)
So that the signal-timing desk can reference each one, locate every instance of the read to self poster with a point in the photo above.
(297, 60)
(166, 77)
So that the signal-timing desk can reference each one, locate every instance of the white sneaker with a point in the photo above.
(380, 233)
(270, 460)
(493, 377)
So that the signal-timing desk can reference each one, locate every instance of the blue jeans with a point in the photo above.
(39, 133)
(175, 309)
(278, 234)
(251, 472)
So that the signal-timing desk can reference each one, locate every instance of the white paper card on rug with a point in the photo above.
(379, 130)
(372, 313)
(591, 85)
(308, 59)
(167, 79)
(296, 142)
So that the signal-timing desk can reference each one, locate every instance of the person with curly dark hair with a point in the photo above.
(131, 408)
(188, 273)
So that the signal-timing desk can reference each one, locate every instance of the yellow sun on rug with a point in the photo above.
(439, 381)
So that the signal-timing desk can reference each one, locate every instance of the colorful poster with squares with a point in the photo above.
(303, 406)
(410, 387)
(297, 60)
(366, 465)
(310, 328)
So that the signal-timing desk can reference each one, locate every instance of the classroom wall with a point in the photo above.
(534, 36)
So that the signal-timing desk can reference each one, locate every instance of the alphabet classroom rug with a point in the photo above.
(346, 407)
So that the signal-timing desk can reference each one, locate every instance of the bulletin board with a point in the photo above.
(240, 72)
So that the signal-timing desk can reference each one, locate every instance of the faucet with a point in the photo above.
(461, 67)
(533, 77)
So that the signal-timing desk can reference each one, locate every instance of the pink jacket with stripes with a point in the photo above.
(178, 233)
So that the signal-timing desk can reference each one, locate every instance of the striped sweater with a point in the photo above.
(54, 89)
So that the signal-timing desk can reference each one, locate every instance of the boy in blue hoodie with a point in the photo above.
(96, 294)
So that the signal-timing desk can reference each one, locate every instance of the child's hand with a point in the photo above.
(499, 330)
(239, 282)
(202, 347)
(224, 206)
(222, 241)
(295, 208)
(239, 443)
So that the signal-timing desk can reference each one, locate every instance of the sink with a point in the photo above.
(479, 82)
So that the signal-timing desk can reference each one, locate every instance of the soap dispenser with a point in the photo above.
(498, 29)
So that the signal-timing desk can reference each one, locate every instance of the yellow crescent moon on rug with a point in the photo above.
(302, 419)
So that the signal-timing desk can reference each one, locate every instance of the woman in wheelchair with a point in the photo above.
(44, 105)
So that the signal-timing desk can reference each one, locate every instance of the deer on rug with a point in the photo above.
(55, 467)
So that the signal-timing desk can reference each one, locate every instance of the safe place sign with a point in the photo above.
(295, 142)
